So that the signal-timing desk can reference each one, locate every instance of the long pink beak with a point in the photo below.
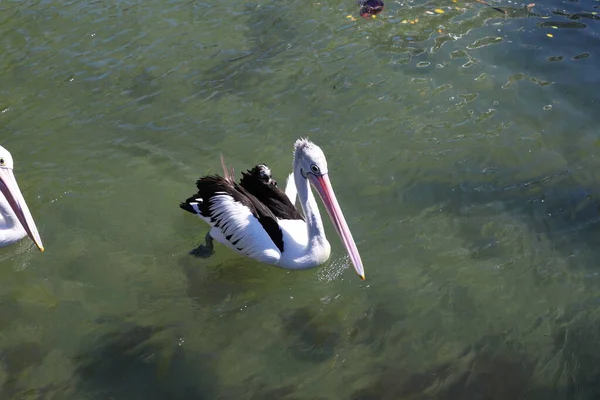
(323, 186)
(10, 189)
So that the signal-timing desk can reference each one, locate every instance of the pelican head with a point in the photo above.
(310, 161)
(14, 199)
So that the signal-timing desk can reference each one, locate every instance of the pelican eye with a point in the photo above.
(315, 169)
(2, 161)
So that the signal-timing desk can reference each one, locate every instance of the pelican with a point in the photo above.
(258, 220)
(16, 221)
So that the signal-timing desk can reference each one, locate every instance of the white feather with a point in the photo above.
(295, 254)
(236, 220)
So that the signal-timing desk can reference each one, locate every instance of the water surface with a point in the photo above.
(463, 147)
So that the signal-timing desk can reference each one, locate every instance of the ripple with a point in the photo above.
(469, 63)
(468, 97)
(562, 25)
(486, 115)
(458, 54)
(581, 56)
(162, 87)
(442, 88)
(483, 42)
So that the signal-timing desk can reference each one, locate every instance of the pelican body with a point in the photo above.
(16, 221)
(258, 220)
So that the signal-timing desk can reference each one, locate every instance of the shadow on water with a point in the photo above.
(256, 389)
(575, 360)
(480, 373)
(315, 337)
(496, 368)
(10, 311)
(141, 362)
(135, 363)
(211, 282)
(208, 285)
(557, 207)
(15, 360)
(379, 324)
(138, 363)
(271, 35)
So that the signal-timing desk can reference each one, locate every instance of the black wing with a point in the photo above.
(259, 183)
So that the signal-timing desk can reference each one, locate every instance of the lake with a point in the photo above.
(463, 146)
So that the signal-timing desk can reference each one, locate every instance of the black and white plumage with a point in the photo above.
(232, 210)
(259, 182)
(257, 219)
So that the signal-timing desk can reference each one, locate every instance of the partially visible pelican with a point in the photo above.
(258, 220)
(16, 221)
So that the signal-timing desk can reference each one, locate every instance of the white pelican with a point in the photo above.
(256, 219)
(16, 221)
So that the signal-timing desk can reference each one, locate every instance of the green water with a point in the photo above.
(463, 149)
